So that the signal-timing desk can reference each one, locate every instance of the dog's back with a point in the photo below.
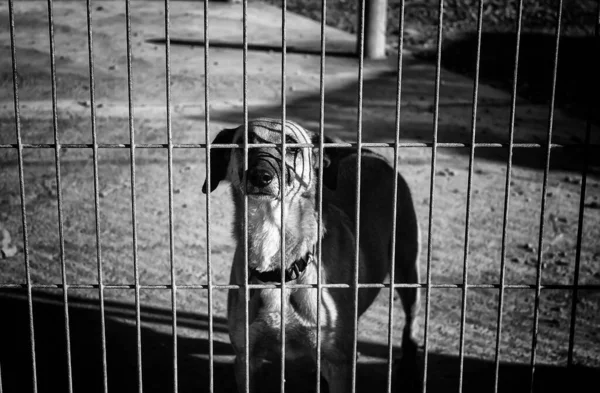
(376, 214)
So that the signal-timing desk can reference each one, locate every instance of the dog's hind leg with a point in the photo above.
(407, 272)
(407, 246)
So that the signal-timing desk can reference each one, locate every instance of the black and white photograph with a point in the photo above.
(301, 196)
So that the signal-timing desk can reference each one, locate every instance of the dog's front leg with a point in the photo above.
(338, 375)
(240, 373)
(236, 321)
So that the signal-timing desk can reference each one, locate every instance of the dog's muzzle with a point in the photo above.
(292, 273)
(259, 177)
(262, 179)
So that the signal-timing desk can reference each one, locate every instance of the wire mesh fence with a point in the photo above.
(133, 147)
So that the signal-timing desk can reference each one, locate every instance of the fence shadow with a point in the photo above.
(193, 365)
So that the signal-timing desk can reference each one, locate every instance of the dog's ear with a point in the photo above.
(219, 159)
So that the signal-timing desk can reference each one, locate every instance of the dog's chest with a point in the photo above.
(300, 323)
(265, 234)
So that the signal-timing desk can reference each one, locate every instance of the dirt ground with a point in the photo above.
(80, 256)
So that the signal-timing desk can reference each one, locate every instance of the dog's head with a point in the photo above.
(263, 179)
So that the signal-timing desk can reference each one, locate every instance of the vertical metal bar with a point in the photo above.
(320, 190)
(511, 133)
(395, 200)
(436, 118)
(1, 390)
(59, 196)
(11, 16)
(543, 207)
(469, 194)
(246, 289)
(211, 360)
(282, 189)
(136, 271)
(361, 62)
(588, 135)
(97, 197)
(170, 176)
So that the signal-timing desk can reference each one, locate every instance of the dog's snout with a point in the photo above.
(259, 177)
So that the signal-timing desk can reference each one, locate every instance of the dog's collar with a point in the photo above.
(295, 271)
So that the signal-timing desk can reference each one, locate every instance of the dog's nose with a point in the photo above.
(259, 177)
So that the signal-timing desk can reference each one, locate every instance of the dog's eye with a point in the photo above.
(291, 149)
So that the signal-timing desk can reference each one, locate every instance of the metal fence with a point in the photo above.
(132, 146)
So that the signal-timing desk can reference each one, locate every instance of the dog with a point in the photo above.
(262, 183)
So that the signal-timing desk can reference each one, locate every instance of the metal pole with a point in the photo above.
(134, 236)
(246, 285)
(320, 192)
(509, 163)
(211, 367)
(170, 184)
(97, 196)
(390, 359)
(19, 146)
(359, 122)
(434, 146)
(584, 174)
(536, 307)
(282, 190)
(375, 21)
(59, 198)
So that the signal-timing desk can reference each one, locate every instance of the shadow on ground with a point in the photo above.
(577, 92)
(193, 365)
(578, 78)
(417, 119)
(251, 47)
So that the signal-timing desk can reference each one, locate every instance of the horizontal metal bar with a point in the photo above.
(289, 145)
(302, 286)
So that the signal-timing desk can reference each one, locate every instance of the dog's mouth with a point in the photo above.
(257, 193)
